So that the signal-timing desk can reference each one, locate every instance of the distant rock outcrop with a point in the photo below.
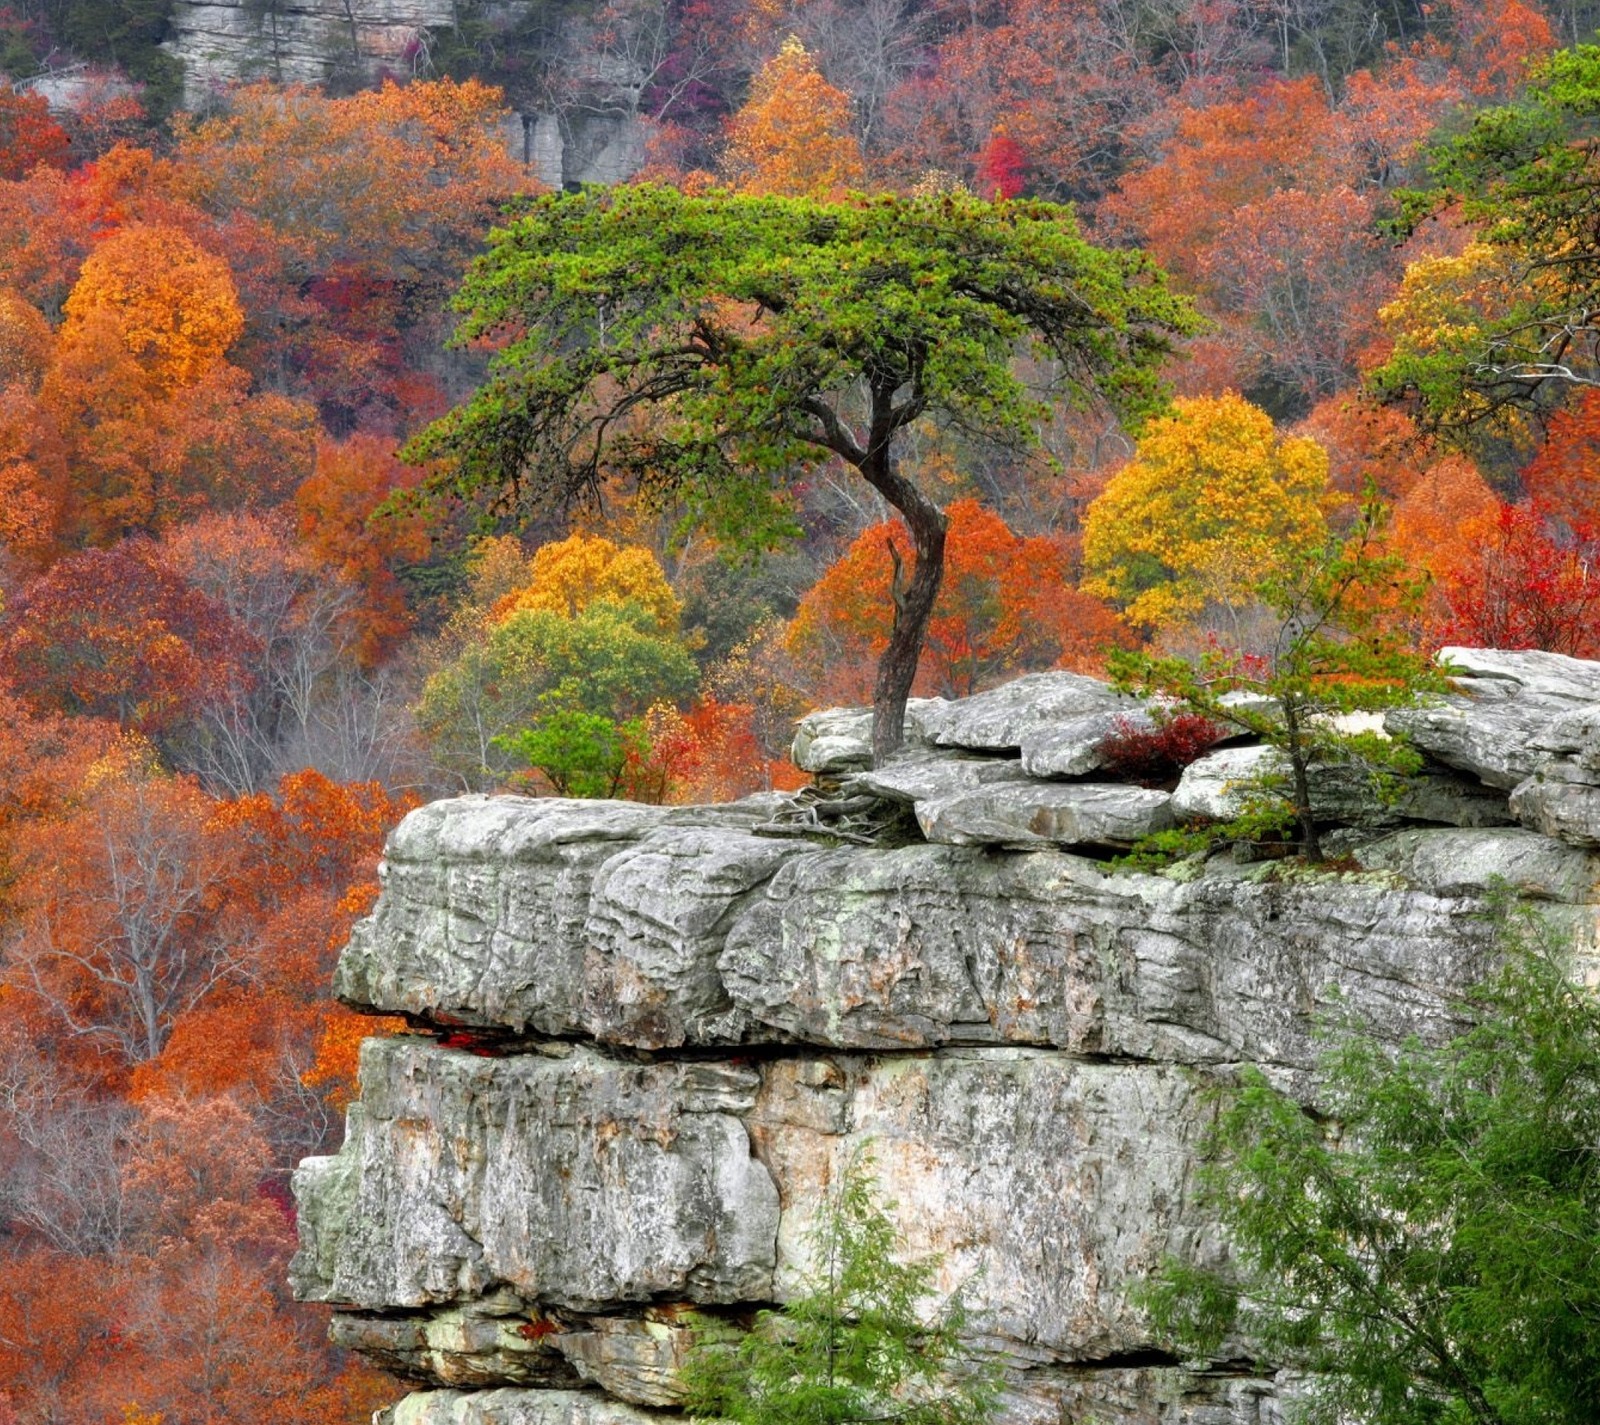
(594, 135)
(674, 1028)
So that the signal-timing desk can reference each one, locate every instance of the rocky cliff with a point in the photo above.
(648, 1038)
(586, 129)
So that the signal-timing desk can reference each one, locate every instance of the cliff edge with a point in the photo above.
(648, 1038)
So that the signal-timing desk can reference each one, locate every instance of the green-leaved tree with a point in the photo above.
(714, 347)
(852, 1348)
(1430, 1250)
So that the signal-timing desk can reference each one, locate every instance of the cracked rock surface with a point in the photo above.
(682, 1026)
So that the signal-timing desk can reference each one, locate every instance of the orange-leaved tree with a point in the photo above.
(29, 137)
(112, 633)
(122, 924)
(341, 530)
(173, 304)
(793, 135)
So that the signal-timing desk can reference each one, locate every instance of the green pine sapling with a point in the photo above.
(854, 1347)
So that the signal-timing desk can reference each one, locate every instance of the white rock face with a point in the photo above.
(599, 138)
(1006, 718)
(682, 1030)
(512, 1407)
(837, 740)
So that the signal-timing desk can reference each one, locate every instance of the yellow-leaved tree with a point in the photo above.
(792, 137)
(570, 574)
(1209, 505)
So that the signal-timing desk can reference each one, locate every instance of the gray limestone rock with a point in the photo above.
(932, 945)
(920, 778)
(833, 740)
(1218, 786)
(515, 1407)
(635, 1358)
(1565, 809)
(576, 1181)
(1004, 718)
(1506, 708)
(1047, 1184)
(837, 740)
(1110, 1395)
(1045, 814)
(1023, 1039)
(599, 918)
(477, 1343)
(1472, 862)
(1072, 746)
(1532, 671)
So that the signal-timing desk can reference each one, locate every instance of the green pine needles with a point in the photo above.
(1430, 1254)
(852, 1348)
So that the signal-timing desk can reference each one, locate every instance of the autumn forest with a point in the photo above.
(251, 611)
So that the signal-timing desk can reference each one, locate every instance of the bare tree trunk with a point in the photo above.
(913, 608)
(1310, 842)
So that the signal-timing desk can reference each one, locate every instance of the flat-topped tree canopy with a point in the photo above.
(713, 346)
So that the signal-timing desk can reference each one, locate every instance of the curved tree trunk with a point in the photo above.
(913, 608)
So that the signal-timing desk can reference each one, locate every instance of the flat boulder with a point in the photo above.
(1219, 786)
(1004, 718)
(1503, 710)
(1092, 814)
(1567, 810)
(1074, 747)
(514, 1407)
(836, 740)
(921, 778)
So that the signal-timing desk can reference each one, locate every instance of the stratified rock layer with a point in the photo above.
(678, 1028)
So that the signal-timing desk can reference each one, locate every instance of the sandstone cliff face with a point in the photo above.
(676, 1030)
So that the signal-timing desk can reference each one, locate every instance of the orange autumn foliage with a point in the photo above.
(143, 456)
(123, 922)
(1008, 605)
(1366, 442)
(111, 633)
(792, 136)
(26, 341)
(29, 137)
(1564, 477)
(173, 305)
(711, 753)
(1521, 582)
(340, 527)
(394, 180)
(34, 483)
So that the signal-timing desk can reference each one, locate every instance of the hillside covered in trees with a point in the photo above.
(255, 604)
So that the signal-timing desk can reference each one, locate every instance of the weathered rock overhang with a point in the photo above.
(649, 1038)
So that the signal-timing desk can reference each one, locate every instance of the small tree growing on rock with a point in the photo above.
(1334, 650)
(852, 1347)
